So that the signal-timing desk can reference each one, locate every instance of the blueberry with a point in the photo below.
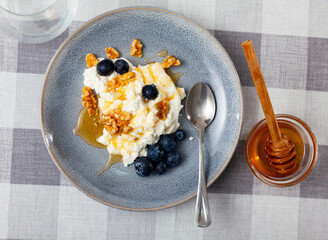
(143, 166)
(168, 142)
(155, 152)
(105, 67)
(160, 168)
(121, 66)
(180, 134)
(149, 92)
(173, 159)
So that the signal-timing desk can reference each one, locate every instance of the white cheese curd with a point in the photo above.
(146, 126)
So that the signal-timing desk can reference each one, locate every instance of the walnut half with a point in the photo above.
(91, 60)
(171, 61)
(112, 53)
(89, 101)
(163, 109)
(117, 122)
(136, 48)
(120, 81)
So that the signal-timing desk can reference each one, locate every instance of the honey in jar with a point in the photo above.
(297, 167)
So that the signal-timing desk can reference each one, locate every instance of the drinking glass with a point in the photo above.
(36, 21)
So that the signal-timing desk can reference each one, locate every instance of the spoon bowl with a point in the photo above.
(200, 105)
(200, 111)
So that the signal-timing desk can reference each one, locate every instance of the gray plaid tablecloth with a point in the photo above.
(291, 40)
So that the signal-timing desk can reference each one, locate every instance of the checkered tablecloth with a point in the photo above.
(291, 41)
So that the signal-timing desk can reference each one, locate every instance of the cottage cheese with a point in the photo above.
(147, 127)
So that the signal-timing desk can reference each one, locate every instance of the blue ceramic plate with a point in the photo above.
(202, 58)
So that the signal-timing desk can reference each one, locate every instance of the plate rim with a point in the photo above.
(153, 9)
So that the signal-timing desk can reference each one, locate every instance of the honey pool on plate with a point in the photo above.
(89, 128)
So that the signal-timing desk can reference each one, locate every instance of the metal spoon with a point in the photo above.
(200, 111)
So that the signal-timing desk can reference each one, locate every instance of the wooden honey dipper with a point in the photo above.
(280, 150)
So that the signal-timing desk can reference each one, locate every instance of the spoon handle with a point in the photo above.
(202, 211)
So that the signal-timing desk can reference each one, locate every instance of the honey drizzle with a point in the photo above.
(154, 78)
(112, 159)
(175, 76)
(162, 53)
